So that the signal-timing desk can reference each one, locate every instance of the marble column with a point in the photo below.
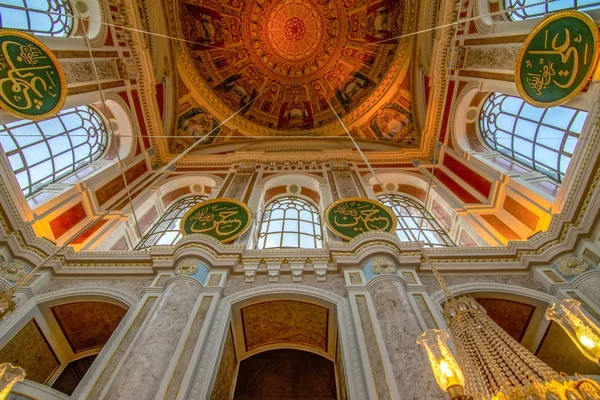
(589, 288)
(143, 369)
(400, 328)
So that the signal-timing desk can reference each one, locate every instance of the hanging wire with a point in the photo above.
(492, 14)
(201, 139)
(460, 21)
(111, 128)
(140, 187)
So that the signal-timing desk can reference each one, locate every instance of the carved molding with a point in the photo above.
(438, 297)
(22, 309)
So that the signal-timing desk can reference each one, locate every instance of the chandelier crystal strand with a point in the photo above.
(498, 367)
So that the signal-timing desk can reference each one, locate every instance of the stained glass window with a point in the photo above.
(540, 138)
(166, 231)
(518, 10)
(42, 17)
(290, 222)
(44, 152)
(415, 223)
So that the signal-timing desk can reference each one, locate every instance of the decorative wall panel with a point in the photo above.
(560, 353)
(293, 322)
(30, 350)
(512, 316)
(88, 325)
(226, 373)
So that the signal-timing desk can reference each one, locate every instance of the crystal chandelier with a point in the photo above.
(496, 366)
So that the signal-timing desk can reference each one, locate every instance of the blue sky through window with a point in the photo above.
(42, 17)
(543, 139)
(44, 152)
(541, 8)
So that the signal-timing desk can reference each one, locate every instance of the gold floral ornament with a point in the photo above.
(13, 271)
(187, 268)
(383, 265)
(572, 266)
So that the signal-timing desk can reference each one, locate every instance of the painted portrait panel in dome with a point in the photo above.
(192, 124)
(394, 123)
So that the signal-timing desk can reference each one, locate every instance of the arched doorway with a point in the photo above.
(283, 336)
(62, 337)
(286, 374)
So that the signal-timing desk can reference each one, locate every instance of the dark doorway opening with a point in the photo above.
(286, 375)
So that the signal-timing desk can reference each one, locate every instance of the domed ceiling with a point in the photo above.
(282, 62)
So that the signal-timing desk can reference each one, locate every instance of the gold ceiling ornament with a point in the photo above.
(9, 376)
(8, 302)
(497, 367)
(572, 266)
(384, 265)
(188, 267)
(586, 335)
(13, 271)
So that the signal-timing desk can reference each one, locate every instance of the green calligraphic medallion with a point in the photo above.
(350, 217)
(557, 59)
(223, 219)
(32, 82)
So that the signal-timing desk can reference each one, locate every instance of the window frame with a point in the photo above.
(265, 231)
(410, 228)
(173, 215)
(522, 14)
(488, 117)
(22, 159)
(59, 12)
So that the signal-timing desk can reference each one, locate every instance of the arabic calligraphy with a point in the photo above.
(223, 219)
(32, 83)
(351, 217)
(557, 59)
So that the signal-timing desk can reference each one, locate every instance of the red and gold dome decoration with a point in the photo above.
(283, 60)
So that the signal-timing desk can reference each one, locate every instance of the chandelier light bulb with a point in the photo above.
(9, 376)
(446, 370)
(584, 333)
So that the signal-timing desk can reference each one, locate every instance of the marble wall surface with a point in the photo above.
(133, 287)
(226, 372)
(492, 57)
(333, 284)
(112, 359)
(375, 358)
(142, 371)
(400, 329)
(591, 289)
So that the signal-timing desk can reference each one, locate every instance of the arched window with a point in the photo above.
(290, 222)
(415, 223)
(43, 152)
(540, 138)
(543, 8)
(42, 17)
(166, 231)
